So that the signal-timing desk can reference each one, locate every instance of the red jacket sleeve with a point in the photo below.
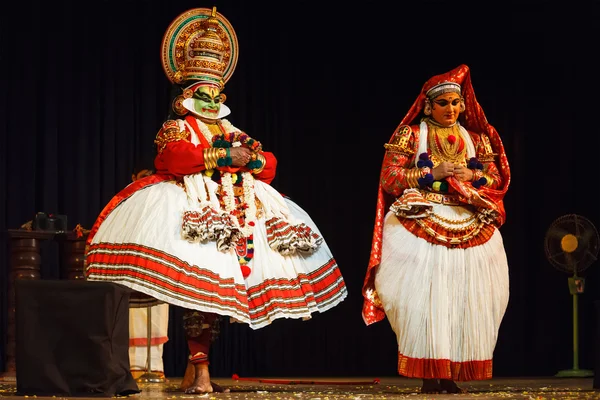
(176, 154)
(180, 158)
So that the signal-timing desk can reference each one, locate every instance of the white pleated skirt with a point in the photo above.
(140, 245)
(445, 305)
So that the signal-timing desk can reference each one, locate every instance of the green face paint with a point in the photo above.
(207, 101)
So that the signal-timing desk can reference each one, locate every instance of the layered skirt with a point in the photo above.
(139, 244)
(444, 304)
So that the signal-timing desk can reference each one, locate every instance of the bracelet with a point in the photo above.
(210, 158)
(262, 160)
(411, 177)
(223, 157)
(217, 157)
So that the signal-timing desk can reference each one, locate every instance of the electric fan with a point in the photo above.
(571, 245)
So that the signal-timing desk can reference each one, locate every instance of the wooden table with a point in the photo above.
(25, 262)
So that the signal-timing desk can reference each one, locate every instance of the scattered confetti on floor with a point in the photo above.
(385, 388)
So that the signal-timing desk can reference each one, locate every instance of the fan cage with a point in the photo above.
(586, 251)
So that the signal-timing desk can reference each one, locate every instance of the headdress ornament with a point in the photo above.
(457, 79)
(442, 88)
(199, 45)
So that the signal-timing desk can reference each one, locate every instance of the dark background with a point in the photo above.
(323, 85)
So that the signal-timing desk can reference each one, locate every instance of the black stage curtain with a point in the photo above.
(323, 86)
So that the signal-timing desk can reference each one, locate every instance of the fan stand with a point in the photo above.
(149, 376)
(576, 287)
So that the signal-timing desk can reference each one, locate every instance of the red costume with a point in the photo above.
(436, 226)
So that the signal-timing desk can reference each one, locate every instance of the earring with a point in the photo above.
(223, 97)
(178, 106)
(427, 108)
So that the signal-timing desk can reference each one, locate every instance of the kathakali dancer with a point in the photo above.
(207, 231)
(438, 269)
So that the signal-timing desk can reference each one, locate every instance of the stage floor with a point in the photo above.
(357, 388)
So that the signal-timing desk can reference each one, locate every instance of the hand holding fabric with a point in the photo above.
(463, 173)
(240, 156)
(443, 170)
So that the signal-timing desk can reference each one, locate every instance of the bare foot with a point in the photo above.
(431, 386)
(188, 377)
(188, 381)
(201, 383)
(450, 386)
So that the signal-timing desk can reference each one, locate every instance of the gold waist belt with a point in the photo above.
(441, 198)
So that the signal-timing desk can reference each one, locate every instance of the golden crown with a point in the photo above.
(199, 45)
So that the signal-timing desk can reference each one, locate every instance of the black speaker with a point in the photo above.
(49, 222)
(72, 339)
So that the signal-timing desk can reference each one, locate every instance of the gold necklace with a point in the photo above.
(445, 144)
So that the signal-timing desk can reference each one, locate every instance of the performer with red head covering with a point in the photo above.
(207, 231)
(438, 269)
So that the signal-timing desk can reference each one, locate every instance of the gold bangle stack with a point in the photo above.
(212, 155)
(412, 176)
(210, 158)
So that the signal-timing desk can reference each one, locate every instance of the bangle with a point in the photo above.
(210, 158)
(223, 157)
(222, 152)
(260, 158)
(411, 177)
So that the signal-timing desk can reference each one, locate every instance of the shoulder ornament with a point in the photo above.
(487, 153)
(400, 142)
(169, 132)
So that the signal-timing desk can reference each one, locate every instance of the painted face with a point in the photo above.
(207, 101)
(445, 108)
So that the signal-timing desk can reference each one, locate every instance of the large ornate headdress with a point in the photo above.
(199, 45)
